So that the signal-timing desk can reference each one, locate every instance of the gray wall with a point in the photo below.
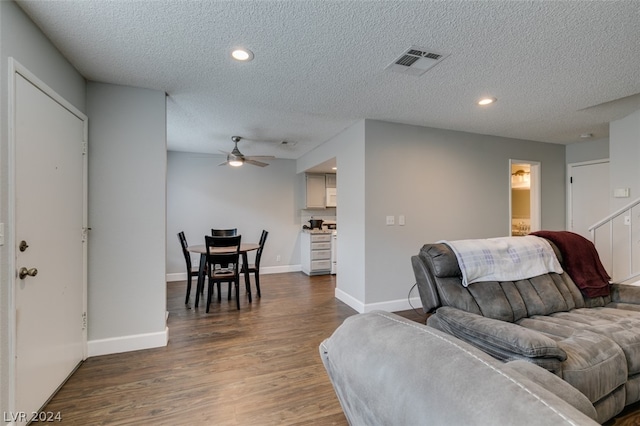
(348, 147)
(449, 185)
(580, 152)
(127, 204)
(22, 40)
(624, 149)
(201, 195)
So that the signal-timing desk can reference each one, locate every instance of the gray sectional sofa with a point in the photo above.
(387, 370)
(592, 343)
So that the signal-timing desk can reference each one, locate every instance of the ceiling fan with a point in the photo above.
(236, 159)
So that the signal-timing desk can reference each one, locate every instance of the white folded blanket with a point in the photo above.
(504, 259)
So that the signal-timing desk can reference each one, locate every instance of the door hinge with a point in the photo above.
(84, 320)
(84, 148)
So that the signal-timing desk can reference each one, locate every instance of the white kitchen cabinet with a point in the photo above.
(321, 191)
(330, 180)
(316, 191)
(315, 253)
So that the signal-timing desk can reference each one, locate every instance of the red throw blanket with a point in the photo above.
(581, 261)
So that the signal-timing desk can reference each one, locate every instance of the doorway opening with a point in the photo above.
(524, 197)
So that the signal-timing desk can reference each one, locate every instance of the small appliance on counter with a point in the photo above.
(330, 224)
(315, 224)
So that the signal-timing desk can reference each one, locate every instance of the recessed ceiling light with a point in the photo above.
(242, 55)
(486, 101)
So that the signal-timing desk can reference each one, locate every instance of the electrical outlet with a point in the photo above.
(401, 220)
(278, 258)
(391, 220)
(1, 234)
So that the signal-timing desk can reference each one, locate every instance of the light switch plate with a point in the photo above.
(1, 234)
(391, 220)
(621, 192)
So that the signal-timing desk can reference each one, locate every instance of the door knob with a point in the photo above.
(32, 272)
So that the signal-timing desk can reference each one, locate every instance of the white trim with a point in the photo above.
(389, 305)
(16, 68)
(569, 206)
(182, 276)
(10, 229)
(350, 300)
(128, 343)
(394, 305)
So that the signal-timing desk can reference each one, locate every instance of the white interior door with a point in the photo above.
(588, 195)
(50, 217)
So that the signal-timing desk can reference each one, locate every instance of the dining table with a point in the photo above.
(202, 250)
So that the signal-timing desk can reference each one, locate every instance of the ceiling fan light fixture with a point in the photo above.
(236, 162)
(242, 55)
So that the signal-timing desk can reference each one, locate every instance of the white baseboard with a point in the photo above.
(389, 306)
(349, 300)
(137, 342)
(395, 305)
(182, 276)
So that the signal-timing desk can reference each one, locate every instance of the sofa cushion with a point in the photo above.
(619, 325)
(506, 301)
(503, 258)
(595, 364)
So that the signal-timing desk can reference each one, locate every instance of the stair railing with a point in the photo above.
(609, 221)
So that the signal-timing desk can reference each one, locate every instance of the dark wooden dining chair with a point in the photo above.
(191, 270)
(255, 267)
(231, 273)
(224, 232)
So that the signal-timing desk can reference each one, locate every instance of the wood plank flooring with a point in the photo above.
(257, 366)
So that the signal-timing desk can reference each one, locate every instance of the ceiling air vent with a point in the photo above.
(416, 61)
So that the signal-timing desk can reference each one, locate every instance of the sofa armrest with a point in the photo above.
(623, 293)
(503, 340)
(553, 384)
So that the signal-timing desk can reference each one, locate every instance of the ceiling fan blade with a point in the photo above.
(224, 152)
(223, 164)
(260, 157)
(255, 163)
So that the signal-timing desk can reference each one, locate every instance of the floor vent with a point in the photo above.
(416, 61)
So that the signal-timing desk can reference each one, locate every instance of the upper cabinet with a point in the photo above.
(316, 188)
(317, 185)
(330, 180)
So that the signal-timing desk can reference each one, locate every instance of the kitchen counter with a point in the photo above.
(318, 231)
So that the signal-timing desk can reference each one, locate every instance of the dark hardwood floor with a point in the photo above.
(257, 366)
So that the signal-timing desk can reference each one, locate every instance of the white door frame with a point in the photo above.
(16, 68)
(570, 166)
(536, 204)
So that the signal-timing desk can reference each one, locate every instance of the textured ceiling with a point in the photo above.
(558, 69)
